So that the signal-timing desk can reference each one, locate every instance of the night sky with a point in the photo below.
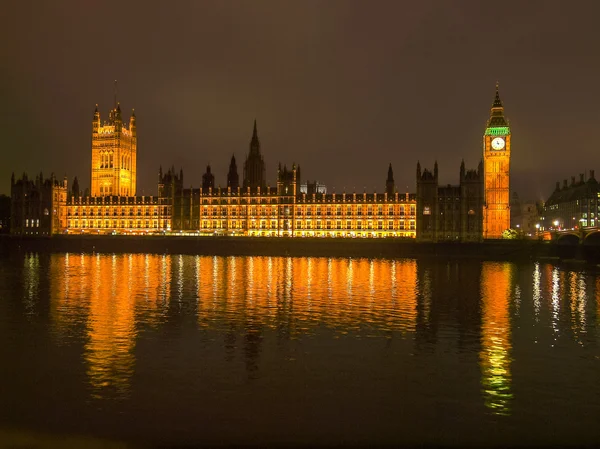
(341, 87)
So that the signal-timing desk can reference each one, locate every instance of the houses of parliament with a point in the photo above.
(475, 209)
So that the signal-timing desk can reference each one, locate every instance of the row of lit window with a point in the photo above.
(308, 211)
(116, 224)
(114, 200)
(275, 199)
(114, 212)
(265, 224)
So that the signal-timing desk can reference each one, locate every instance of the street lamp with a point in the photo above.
(556, 223)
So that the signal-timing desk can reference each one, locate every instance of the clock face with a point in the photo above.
(498, 143)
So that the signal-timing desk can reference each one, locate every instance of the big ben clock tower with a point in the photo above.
(496, 158)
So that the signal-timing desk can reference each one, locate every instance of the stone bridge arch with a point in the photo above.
(568, 238)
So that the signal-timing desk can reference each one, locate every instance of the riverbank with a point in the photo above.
(308, 247)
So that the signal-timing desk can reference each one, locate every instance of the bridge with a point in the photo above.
(589, 235)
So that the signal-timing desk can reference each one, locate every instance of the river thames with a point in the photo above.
(168, 349)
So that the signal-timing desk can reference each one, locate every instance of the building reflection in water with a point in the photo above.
(496, 287)
(100, 294)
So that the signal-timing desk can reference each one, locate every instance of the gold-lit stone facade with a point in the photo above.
(114, 214)
(114, 153)
(496, 159)
(249, 207)
(318, 215)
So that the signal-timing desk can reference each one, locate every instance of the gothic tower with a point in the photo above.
(254, 167)
(208, 179)
(496, 160)
(233, 179)
(114, 155)
(389, 183)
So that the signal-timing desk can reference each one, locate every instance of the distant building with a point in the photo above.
(38, 207)
(452, 212)
(4, 214)
(573, 205)
(524, 216)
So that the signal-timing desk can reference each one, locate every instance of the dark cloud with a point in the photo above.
(341, 87)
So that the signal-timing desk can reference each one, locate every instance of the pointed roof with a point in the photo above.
(255, 143)
(497, 118)
(497, 101)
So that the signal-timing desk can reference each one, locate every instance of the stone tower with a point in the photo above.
(496, 161)
(114, 155)
(254, 167)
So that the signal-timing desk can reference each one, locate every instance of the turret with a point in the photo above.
(462, 170)
(208, 179)
(254, 166)
(254, 143)
(96, 121)
(418, 170)
(75, 188)
(435, 171)
(118, 119)
(389, 183)
(233, 179)
(132, 124)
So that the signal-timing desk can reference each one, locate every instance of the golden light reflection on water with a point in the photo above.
(112, 299)
(342, 294)
(100, 293)
(496, 280)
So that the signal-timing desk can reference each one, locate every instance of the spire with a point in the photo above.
(233, 179)
(255, 143)
(497, 119)
(389, 183)
(115, 95)
(208, 179)
(497, 101)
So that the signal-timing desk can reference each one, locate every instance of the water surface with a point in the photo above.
(253, 350)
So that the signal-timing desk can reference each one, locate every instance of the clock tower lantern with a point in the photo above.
(496, 159)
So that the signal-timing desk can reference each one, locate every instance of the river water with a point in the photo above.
(167, 349)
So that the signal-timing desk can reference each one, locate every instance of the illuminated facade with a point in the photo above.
(114, 153)
(249, 209)
(117, 214)
(450, 213)
(573, 205)
(282, 211)
(496, 159)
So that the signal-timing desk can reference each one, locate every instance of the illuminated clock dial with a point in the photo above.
(498, 143)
